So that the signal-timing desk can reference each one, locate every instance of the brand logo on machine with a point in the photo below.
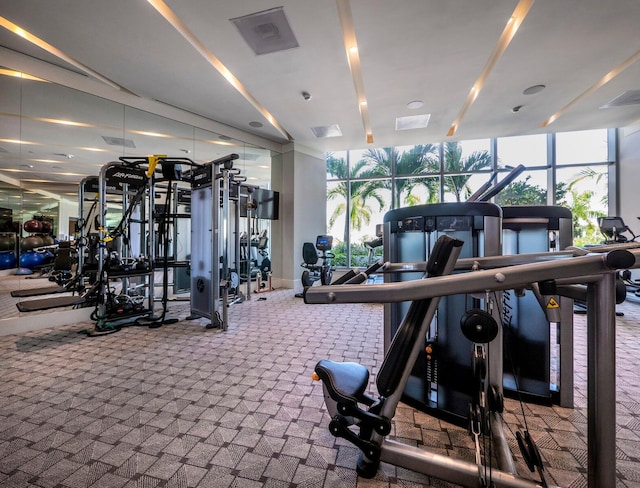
(200, 176)
(200, 285)
(133, 176)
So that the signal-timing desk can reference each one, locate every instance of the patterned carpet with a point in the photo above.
(186, 406)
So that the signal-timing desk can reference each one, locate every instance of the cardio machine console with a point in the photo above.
(324, 243)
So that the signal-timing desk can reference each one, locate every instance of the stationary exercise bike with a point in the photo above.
(311, 254)
(614, 228)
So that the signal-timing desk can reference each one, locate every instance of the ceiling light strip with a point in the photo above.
(513, 24)
(600, 83)
(19, 31)
(199, 46)
(19, 74)
(71, 123)
(353, 58)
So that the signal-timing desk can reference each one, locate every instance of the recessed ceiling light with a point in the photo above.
(415, 104)
(255, 124)
(532, 90)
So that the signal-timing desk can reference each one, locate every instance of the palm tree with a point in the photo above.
(362, 192)
(580, 202)
(416, 161)
(455, 163)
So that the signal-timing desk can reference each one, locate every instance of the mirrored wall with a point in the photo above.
(52, 136)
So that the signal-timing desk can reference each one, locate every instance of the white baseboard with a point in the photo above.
(28, 323)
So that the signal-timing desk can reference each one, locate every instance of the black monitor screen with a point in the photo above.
(324, 243)
(611, 223)
(268, 204)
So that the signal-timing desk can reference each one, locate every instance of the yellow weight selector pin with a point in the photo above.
(315, 377)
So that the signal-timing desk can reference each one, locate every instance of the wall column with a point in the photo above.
(299, 174)
(628, 177)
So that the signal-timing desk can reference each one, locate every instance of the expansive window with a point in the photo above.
(569, 169)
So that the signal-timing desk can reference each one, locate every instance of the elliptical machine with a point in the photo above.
(311, 254)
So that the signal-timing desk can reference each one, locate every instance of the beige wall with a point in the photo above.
(629, 178)
(300, 177)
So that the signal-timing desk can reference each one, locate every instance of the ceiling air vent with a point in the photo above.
(412, 122)
(630, 97)
(325, 131)
(267, 31)
(118, 141)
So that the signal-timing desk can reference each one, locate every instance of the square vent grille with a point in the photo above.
(267, 31)
(118, 141)
(325, 131)
(412, 122)
(630, 97)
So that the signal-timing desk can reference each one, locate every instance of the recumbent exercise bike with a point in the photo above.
(311, 254)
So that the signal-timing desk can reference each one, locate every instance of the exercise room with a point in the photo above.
(331, 244)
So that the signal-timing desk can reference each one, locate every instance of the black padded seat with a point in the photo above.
(345, 382)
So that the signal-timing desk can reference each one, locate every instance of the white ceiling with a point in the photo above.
(430, 50)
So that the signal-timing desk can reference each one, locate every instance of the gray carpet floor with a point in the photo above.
(186, 406)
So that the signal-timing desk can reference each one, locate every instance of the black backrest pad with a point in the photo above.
(440, 255)
(309, 253)
(408, 333)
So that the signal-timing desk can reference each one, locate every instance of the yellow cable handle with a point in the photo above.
(153, 162)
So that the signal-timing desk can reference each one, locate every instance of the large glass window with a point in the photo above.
(370, 200)
(588, 146)
(462, 167)
(475, 145)
(337, 165)
(530, 188)
(364, 184)
(583, 189)
(527, 150)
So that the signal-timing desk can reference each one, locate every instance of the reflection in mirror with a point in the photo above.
(52, 136)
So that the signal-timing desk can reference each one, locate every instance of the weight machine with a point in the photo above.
(125, 250)
(215, 241)
(528, 327)
(366, 421)
(409, 235)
